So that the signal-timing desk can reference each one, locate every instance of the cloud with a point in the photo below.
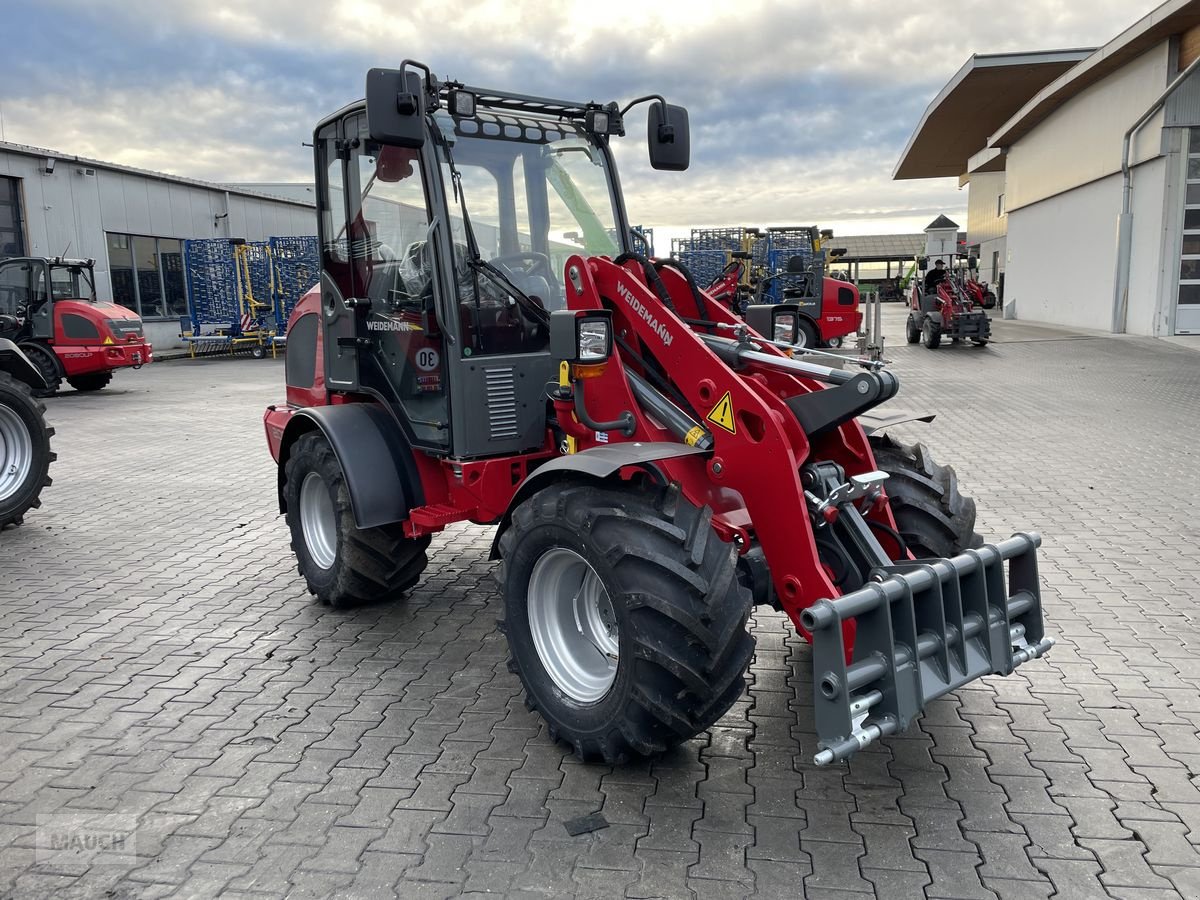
(799, 110)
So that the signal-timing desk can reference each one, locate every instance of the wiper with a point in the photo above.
(511, 289)
(477, 262)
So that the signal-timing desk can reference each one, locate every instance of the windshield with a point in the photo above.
(536, 191)
(72, 283)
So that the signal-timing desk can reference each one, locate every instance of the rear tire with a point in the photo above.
(931, 334)
(912, 331)
(980, 342)
(672, 613)
(93, 381)
(931, 515)
(343, 565)
(46, 363)
(25, 453)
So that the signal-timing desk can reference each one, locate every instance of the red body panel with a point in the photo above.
(838, 319)
(110, 350)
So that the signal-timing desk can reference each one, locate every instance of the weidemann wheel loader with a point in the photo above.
(484, 346)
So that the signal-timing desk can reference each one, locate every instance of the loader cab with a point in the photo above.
(29, 287)
(446, 215)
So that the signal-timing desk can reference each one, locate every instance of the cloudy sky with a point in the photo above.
(799, 109)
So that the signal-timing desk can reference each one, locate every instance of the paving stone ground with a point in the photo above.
(162, 668)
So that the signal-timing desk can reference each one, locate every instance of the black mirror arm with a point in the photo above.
(661, 102)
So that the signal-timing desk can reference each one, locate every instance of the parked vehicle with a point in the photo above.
(53, 315)
(654, 465)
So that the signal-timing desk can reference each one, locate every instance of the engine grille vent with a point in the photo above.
(501, 403)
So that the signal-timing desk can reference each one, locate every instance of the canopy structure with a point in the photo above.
(984, 94)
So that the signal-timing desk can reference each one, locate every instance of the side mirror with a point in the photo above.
(972, 263)
(395, 108)
(923, 263)
(669, 137)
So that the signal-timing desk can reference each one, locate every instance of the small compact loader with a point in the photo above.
(484, 346)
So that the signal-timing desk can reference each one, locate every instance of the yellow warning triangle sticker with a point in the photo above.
(107, 340)
(722, 414)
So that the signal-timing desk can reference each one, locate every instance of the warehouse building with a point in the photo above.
(132, 222)
(1083, 171)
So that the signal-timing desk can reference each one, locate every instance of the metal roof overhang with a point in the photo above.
(1167, 20)
(981, 96)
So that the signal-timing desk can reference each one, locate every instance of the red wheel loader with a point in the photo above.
(53, 315)
(484, 346)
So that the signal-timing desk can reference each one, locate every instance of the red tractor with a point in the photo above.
(946, 306)
(653, 465)
(52, 314)
(823, 321)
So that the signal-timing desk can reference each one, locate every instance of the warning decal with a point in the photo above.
(722, 414)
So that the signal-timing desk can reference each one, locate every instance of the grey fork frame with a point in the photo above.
(923, 629)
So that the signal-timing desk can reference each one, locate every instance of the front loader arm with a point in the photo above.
(757, 449)
(908, 633)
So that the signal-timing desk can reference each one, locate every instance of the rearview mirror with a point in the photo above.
(669, 138)
(923, 263)
(972, 263)
(395, 109)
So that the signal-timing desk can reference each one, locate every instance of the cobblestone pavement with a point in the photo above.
(161, 663)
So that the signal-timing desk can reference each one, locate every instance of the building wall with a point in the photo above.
(68, 213)
(983, 198)
(1062, 254)
(1081, 141)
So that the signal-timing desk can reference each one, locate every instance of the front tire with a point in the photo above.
(625, 617)
(25, 453)
(46, 363)
(931, 334)
(93, 381)
(931, 515)
(342, 564)
(912, 331)
(806, 334)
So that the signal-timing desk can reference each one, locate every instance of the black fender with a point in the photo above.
(374, 454)
(935, 316)
(14, 361)
(596, 464)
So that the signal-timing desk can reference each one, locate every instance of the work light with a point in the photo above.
(462, 104)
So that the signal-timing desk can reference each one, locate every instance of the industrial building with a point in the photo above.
(1083, 171)
(132, 222)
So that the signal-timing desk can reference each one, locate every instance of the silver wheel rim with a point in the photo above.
(16, 452)
(318, 521)
(801, 338)
(573, 625)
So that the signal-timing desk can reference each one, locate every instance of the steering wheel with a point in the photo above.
(526, 263)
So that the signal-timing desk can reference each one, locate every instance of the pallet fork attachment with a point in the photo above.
(922, 629)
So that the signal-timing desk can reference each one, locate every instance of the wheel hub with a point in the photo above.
(16, 452)
(318, 520)
(573, 625)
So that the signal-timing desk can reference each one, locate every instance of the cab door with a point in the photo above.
(24, 294)
(379, 288)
